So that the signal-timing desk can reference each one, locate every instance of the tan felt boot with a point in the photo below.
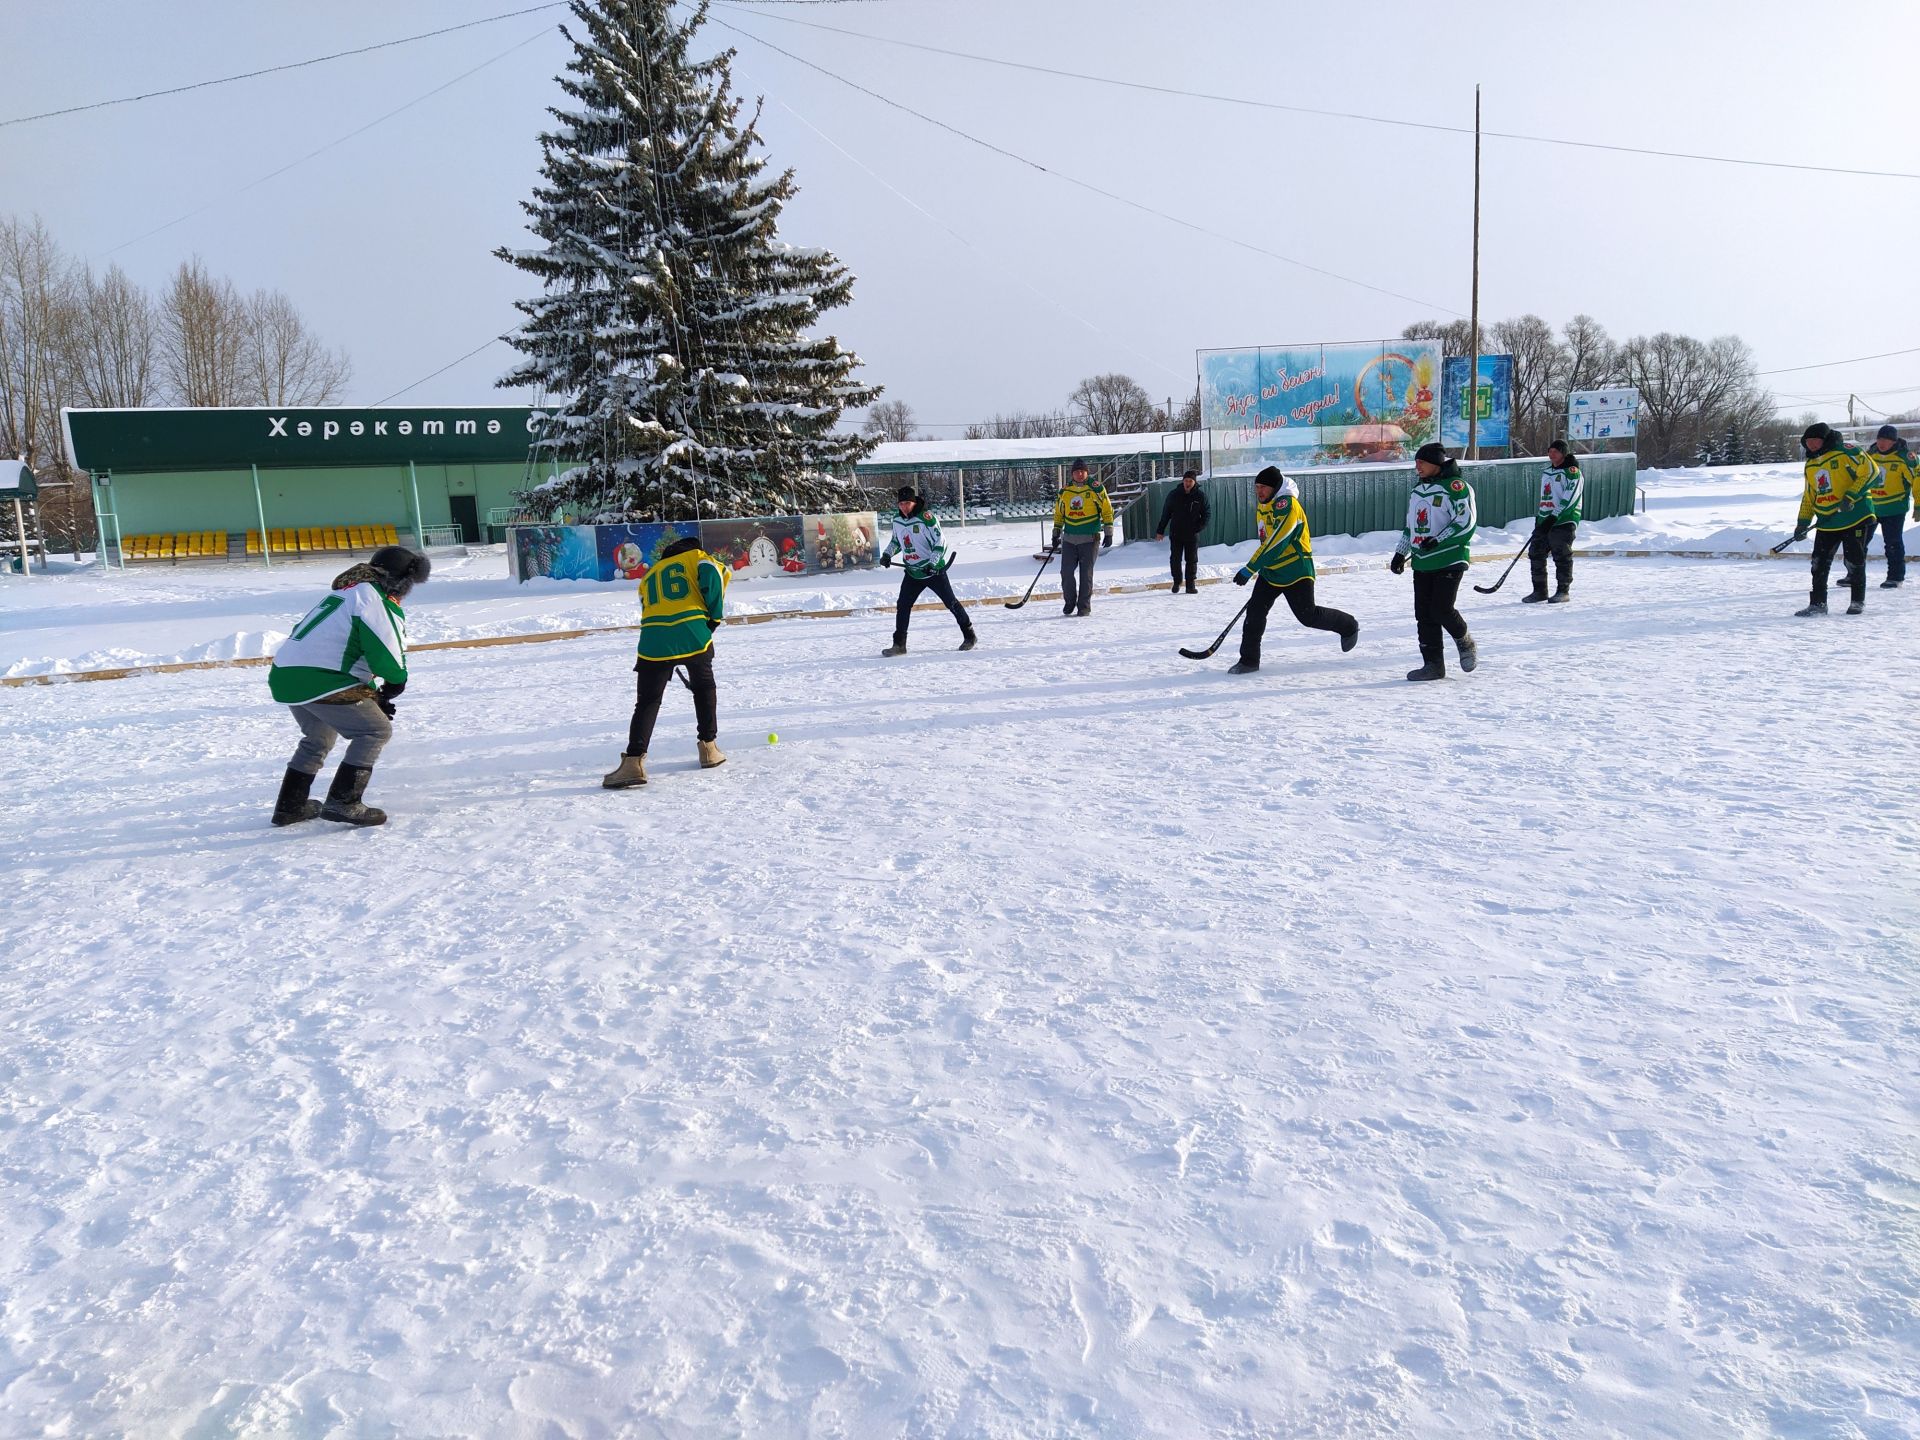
(632, 772)
(710, 755)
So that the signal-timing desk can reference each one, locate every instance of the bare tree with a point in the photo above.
(1692, 392)
(1538, 365)
(1113, 405)
(890, 420)
(1455, 336)
(1592, 359)
(36, 326)
(281, 361)
(113, 344)
(1183, 416)
(203, 337)
(1022, 425)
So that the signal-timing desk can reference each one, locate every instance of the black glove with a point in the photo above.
(384, 699)
(1054, 544)
(1426, 542)
(1243, 577)
(1106, 540)
(1800, 531)
(1545, 522)
(1398, 564)
(886, 562)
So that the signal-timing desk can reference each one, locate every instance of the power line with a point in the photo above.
(1082, 184)
(1328, 114)
(922, 210)
(1829, 364)
(487, 344)
(331, 144)
(279, 69)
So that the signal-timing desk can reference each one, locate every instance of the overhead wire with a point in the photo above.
(281, 69)
(331, 144)
(1148, 86)
(1086, 185)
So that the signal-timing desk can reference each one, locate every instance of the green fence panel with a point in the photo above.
(1230, 503)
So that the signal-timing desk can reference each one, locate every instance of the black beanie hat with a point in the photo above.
(1561, 446)
(402, 568)
(1888, 432)
(1433, 452)
(1077, 465)
(906, 492)
(1270, 477)
(681, 546)
(1189, 472)
(1819, 430)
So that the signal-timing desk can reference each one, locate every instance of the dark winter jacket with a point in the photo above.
(1185, 513)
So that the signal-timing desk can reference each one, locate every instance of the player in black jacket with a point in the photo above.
(1182, 519)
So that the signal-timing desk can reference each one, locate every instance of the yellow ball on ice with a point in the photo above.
(772, 739)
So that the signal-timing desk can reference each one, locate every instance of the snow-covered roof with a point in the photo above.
(1050, 449)
(17, 477)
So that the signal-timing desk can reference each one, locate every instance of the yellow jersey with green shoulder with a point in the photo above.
(683, 600)
(1285, 554)
(1082, 509)
(1839, 488)
(1893, 487)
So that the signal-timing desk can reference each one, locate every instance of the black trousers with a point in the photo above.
(1300, 601)
(910, 590)
(654, 677)
(1893, 534)
(1183, 550)
(1434, 594)
(1555, 540)
(1852, 543)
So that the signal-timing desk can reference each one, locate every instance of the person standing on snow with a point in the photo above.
(1838, 496)
(1082, 512)
(1561, 489)
(1892, 493)
(1441, 517)
(325, 672)
(683, 600)
(1182, 519)
(1283, 565)
(916, 534)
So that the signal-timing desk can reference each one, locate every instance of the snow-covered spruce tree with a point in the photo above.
(672, 326)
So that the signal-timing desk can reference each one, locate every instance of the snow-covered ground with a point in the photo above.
(87, 619)
(1061, 1039)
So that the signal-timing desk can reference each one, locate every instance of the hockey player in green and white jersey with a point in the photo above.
(327, 670)
(1562, 487)
(916, 538)
(1441, 519)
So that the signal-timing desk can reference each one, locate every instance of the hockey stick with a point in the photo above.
(1016, 604)
(1525, 550)
(1221, 639)
(1775, 550)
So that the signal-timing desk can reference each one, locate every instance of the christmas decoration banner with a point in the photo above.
(1346, 404)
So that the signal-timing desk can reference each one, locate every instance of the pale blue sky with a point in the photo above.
(384, 240)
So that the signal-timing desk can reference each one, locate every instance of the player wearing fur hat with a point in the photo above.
(326, 670)
(916, 535)
(1282, 564)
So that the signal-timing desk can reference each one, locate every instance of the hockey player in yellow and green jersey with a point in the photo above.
(683, 600)
(1082, 513)
(1441, 518)
(1282, 564)
(1838, 499)
(1893, 495)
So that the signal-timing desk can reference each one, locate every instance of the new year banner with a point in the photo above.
(1297, 405)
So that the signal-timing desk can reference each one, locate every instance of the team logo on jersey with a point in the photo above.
(1822, 483)
(1420, 520)
(1459, 485)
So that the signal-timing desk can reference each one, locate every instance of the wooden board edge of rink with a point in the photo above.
(174, 667)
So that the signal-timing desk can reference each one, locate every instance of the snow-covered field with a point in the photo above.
(1061, 1039)
(149, 615)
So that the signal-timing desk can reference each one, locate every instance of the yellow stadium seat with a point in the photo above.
(253, 542)
(387, 535)
(338, 538)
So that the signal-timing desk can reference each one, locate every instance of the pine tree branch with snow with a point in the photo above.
(675, 325)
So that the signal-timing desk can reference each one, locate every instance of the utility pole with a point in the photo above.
(1473, 361)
